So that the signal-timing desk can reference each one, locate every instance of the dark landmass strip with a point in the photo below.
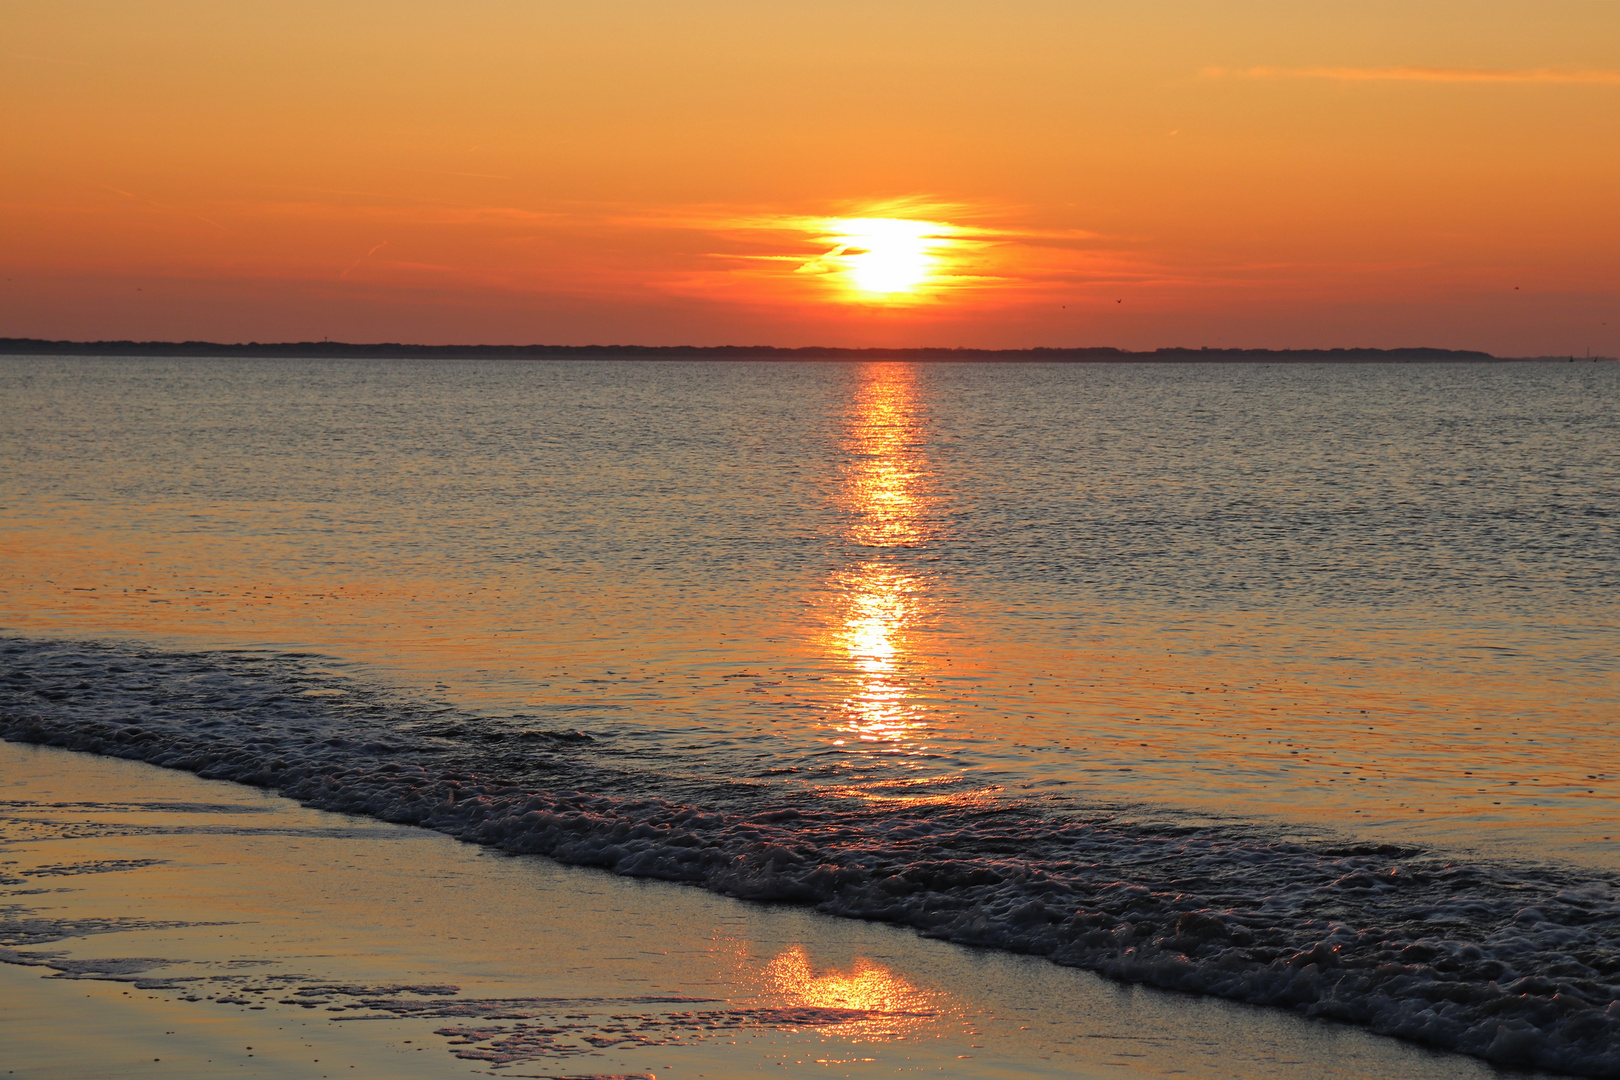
(338, 349)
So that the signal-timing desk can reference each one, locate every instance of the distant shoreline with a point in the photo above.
(348, 350)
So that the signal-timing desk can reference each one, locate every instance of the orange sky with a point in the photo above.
(1143, 174)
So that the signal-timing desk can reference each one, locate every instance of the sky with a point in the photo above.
(1145, 174)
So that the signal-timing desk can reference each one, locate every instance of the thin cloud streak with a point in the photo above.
(1422, 74)
(721, 220)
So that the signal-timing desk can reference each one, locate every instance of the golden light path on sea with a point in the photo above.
(883, 491)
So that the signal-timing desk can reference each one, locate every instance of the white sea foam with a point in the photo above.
(1514, 964)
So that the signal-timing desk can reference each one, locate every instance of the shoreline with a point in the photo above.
(278, 925)
(1452, 955)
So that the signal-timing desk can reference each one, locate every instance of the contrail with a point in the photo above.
(154, 202)
(362, 259)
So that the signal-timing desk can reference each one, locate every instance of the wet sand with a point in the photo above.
(159, 925)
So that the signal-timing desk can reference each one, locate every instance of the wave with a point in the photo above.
(1511, 963)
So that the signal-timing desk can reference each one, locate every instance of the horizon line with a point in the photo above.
(403, 350)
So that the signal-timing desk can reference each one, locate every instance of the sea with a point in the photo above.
(1292, 684)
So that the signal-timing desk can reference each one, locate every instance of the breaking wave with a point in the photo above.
(1515, 964)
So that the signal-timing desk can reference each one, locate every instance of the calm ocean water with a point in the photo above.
(807, 631)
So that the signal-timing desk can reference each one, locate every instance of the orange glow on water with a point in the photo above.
(897, 658)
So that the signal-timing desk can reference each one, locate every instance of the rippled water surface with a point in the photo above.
(1365, 600)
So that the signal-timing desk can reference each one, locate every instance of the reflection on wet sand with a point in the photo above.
(886, 496)
(883, 1004)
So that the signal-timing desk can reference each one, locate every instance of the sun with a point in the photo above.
(886, 255)
(881, 257)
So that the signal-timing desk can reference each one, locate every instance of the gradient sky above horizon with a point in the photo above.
(1160, 173)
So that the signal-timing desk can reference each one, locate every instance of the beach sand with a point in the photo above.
(159, 925)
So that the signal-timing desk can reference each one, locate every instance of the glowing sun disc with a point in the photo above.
(885, 255)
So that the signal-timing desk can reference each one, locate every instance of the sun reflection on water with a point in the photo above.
(886, 488)
(887, 475)
(878, 612)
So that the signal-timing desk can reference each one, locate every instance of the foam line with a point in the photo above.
(1514, 964)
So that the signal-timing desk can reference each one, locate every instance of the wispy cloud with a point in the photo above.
(946, 218)
(1422, 74)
